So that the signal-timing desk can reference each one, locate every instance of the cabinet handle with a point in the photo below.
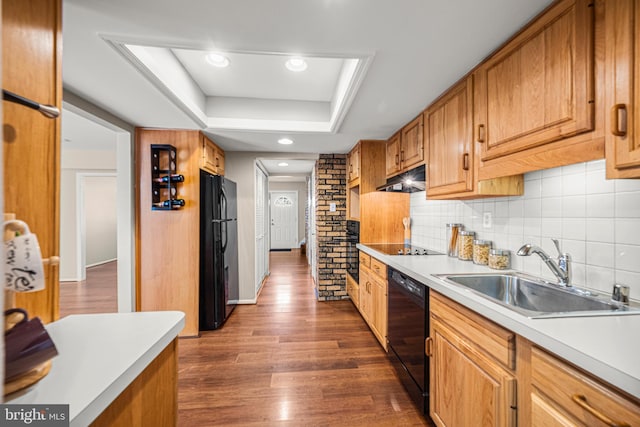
(465, 161)
(397, 159)
(428, 347)
(618, 126)
(481, 135)
(402, 156)
(581, 400)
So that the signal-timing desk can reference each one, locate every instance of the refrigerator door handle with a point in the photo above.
(225, 236)
(223, 203)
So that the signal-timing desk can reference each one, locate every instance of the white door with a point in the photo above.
(284, 219)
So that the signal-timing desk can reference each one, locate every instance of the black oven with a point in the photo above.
(408, 326)
(352, 257)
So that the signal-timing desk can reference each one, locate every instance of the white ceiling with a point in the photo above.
(419, 49)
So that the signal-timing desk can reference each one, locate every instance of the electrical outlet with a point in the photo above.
(487, 219)
(332, 207)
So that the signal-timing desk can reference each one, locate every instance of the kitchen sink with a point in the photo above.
(536, 298)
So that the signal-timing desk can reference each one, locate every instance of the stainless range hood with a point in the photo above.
(408, 182)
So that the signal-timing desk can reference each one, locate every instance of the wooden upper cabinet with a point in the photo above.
(451, 154)
(353, 164)
(538, 88)
(212, 156)
(31, 67)
(448, 134)
(622, 61)
(411, 144)
(405, 149)
(393, 155)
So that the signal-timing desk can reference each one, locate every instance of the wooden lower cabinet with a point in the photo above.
(353, 290)
(151, 399)
(468, 386)
(563, 395)
(478, 378)
(372, 296)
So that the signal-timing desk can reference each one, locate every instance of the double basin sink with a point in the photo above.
(536, 298)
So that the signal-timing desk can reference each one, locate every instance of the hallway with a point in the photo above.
(290, 360)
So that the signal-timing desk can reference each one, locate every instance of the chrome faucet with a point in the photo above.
(561, 269)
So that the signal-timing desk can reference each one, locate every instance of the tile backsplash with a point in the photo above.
(596, 220)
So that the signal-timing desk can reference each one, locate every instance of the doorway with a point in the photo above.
(96, 215)
(284, 219)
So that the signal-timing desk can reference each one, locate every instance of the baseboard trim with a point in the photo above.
(247, 301)
(102, 262)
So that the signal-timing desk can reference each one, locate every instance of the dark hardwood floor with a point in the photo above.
(97, 294)
(290, 360)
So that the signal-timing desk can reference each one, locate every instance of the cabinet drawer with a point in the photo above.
(365, 260)
(482, 334)
(579, 395)
(379, 268)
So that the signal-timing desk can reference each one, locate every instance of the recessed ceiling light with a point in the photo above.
(283, 164)
(217, 60)
(296, 64)
(285, 141)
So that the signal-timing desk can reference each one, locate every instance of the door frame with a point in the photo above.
(125, 134)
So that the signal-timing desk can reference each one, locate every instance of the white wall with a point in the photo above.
(240, 168)
(73, 163)
(596, 221)
(100, 209)
(301, 189)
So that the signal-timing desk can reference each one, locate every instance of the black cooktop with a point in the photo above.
(400, 249)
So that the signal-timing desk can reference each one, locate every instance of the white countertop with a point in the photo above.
(99, 355)
(606, 346)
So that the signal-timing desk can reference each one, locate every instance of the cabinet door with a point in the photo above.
(208, 155)
(466, 387)
(31, 64)
(219, 161)
(412, 148)
(353, 161)
(393, 155)
(449, 136)
(378, 321)
(365, 294)
(623, 88)
(539, 88)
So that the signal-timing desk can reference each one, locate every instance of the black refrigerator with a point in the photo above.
(219, 288)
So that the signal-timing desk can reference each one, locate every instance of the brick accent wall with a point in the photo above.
(331, 187)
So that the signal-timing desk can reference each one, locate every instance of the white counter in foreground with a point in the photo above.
(606, 346)
(100, 355)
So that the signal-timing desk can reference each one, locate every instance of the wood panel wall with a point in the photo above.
(168, 242)
(31, 67)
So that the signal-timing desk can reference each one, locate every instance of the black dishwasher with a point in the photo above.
(408, 326)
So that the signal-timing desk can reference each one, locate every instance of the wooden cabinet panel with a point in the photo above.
(353, 164)
(379, 268)
(622, 88)
(212, 156)
(168, 262)
(31, 67)
(365, 259)
(539, 88)
(353, 290)
(545, 414)
(448, 129)
(393, 155)
(467, 388)
(578, 395)
(378, 319)
(365, 299)
(411, 144)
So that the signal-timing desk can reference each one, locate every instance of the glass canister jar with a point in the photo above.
(465, 245)
(481, 251)
(499, 259)
(453, 230)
